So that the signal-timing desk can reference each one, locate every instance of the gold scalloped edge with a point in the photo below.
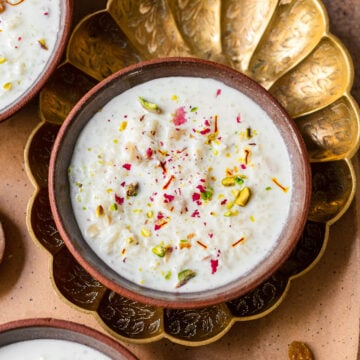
(233, 320)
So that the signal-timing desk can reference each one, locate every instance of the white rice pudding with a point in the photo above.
(187, 196)
(49, 349)
(28, 34)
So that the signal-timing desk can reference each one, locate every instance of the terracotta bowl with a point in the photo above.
(92, 102)
(54, 58)
(54, 329)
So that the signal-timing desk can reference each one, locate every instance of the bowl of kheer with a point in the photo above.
(55, 339)
(179, 182)
(33, 38)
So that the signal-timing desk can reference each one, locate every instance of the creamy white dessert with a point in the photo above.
(28, 35)
(181, 184)
(50, 349)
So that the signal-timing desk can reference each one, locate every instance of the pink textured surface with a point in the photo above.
(321, 308)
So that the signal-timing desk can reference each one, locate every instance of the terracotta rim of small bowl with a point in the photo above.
(128, 76)
(54, 60)
(50, 328)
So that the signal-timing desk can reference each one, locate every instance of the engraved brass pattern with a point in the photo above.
(287, 48)
(295, 30)
(130, 318)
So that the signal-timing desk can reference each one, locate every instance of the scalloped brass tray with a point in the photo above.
(286, 47)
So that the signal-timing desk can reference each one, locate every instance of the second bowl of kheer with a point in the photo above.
(33, 36)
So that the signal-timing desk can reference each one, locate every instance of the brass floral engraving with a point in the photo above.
(75, 283)
(39, 152)
(331, 191)
(261, 299)
(268, 295)
(150, 27)
(199, 24)
(295, 30)
(62, 92)
(318, 81)
(42, 223)
(130, 318)
(243, 24)
(99, 47)
(307, 250)
(330, 133)
(196, 324)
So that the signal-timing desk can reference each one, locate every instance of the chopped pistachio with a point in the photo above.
(229, 205)
(145, 232)
(7, 86)
(113, 207)
(211, 137)
(149, 106)
(230, 213)
(43, 45)
(159, 250)
(244, 197)
(132, 189)
(239, 180)
(123, 126)
(228, 181)
(207, 194)
(184, 276)
(130, 240)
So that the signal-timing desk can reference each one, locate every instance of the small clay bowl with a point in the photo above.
(125, 79)
(55, 329)
(53, 59)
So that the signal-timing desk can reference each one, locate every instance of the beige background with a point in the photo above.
(321, 308)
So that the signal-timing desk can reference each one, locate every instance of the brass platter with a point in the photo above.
(286, 46)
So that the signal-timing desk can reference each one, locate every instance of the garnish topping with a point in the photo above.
(179, 116)
(99, 211)
(119, 200)
(277, 183)
(228, 181)
(127, 166)
(243, 197)
(172, 177)
(206, 194)
(214, 263)
(132, 189)
(184, 276)
(159, 250)
(238, 242)
(202, 244)
(43, 45)
(149, 106)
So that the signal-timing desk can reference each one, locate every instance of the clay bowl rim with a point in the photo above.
(66, 14)
(58, 329)
(100, 95)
